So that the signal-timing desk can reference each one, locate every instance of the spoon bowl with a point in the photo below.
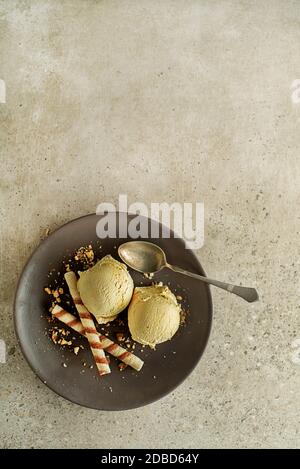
(143, 256)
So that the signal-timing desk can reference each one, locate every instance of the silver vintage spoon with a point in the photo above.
(149, 258)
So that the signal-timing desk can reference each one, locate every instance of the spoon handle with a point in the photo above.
(248, 294)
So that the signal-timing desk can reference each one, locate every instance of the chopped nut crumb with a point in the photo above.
(65, 342)
(122, 366)
(85, 255)
(120, 336)
(47, 290)
(54, 337)
(149, 275)
(76, 350)
(183, 315)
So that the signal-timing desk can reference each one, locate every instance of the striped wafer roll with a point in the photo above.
(88, 325)
(109, 346)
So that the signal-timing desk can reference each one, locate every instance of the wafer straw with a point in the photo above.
(109, 346)
(88, 325)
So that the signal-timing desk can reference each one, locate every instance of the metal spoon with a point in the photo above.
(149, 258)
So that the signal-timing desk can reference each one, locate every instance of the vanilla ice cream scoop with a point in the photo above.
(106, 289)
(153, 315)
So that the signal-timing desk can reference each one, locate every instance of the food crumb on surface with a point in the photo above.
(183, 315)
(122, 366)
(120, 336)
(86, 255)
(54, 337)
(76, 350)
(65, 342)
(149, 275)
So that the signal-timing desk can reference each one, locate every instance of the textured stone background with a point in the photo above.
(179, 100)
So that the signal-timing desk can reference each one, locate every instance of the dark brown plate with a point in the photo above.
(164, 369)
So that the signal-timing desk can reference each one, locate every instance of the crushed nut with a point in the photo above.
(183, 315)
(54, 337)
(122, 366)
(120, 337)
(85, 255)
(149, 275)
(65, 342)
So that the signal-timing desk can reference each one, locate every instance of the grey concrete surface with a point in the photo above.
(164, 101)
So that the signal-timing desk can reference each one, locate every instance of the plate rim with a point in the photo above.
(64, 396)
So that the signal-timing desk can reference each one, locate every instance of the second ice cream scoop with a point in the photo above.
(153, 315)
(148, 258)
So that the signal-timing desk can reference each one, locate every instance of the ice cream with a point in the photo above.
(106, 289)
(153, 315)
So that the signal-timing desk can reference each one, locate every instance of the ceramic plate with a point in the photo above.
(164, 369)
